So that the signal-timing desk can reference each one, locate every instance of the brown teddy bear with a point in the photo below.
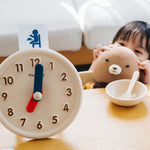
(118, 63)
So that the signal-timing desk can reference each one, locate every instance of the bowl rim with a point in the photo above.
(120, 99)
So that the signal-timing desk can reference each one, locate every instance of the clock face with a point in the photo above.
(54, 107)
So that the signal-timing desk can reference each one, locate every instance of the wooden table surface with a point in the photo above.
(100, 125)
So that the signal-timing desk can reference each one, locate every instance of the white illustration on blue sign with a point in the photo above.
(34, 38)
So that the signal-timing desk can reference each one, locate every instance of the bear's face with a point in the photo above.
(118, 63)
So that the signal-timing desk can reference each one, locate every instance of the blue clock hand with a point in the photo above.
(37, 91)
(38, 82)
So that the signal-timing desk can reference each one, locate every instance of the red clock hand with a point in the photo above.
(35, 98)
(31, 105)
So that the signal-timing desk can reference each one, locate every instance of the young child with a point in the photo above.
(136, 36)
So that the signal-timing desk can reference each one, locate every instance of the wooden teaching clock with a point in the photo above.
(40, 93)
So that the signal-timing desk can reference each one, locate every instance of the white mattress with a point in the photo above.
(63, 28)
(69, 22)
(100, 19)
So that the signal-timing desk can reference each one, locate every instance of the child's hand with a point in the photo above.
(99, 50)
(96, 52)
(144, 67)
(114, 45)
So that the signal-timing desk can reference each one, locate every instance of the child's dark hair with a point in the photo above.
(131, 30)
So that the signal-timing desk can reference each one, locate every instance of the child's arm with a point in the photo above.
(145, 71)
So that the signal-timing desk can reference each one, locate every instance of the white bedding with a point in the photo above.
(63, 28)
(100, 19)
(69, 22)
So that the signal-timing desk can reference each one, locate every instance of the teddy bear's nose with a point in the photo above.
(115, 69)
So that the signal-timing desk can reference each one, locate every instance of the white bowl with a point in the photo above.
(116, 89)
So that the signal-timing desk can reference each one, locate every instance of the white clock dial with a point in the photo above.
(53, 108)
